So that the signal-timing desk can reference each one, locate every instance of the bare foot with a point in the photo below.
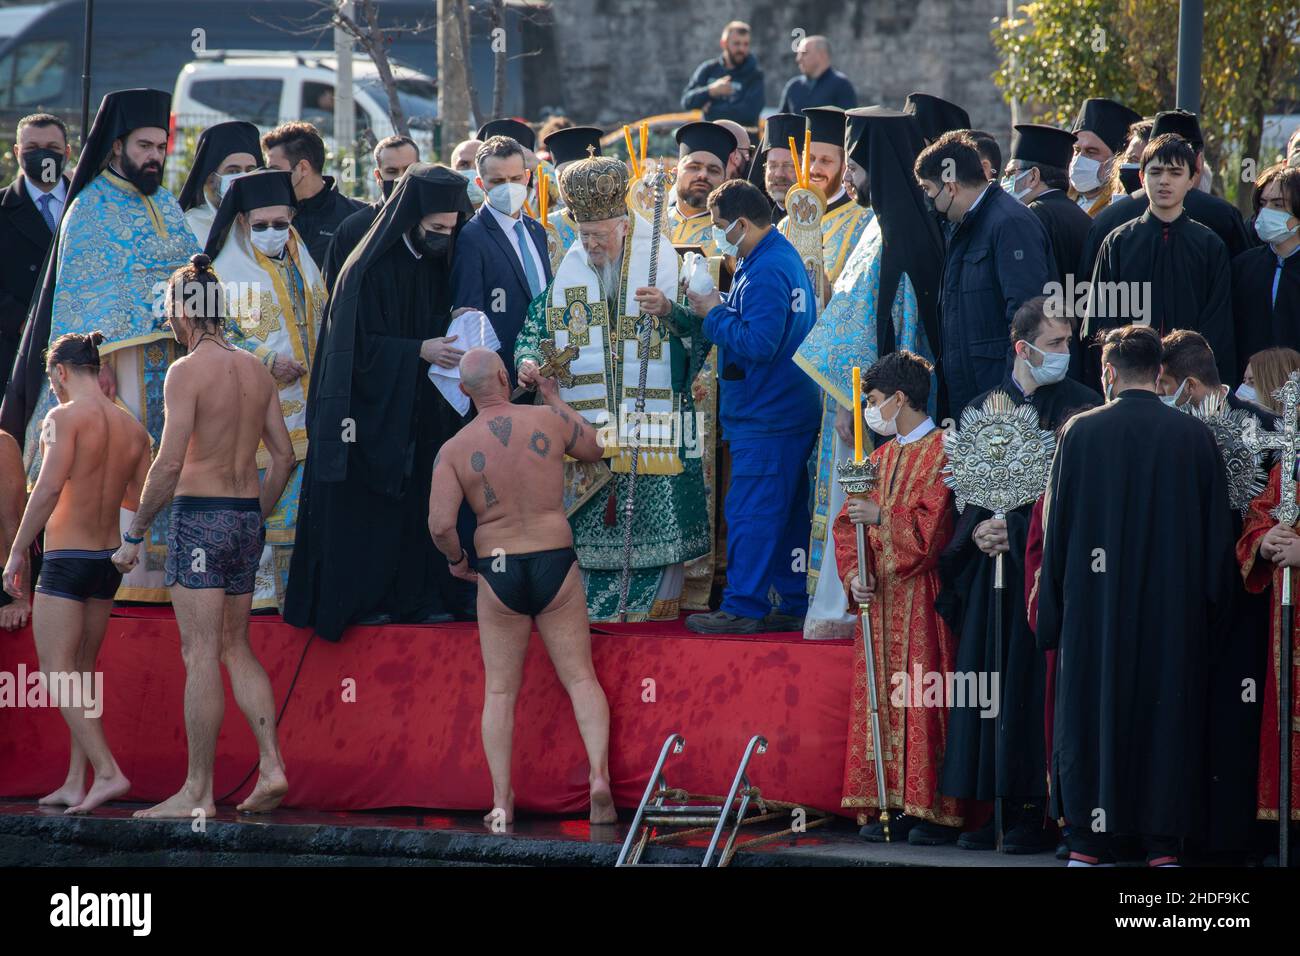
(180, 805)
(602, 804)
(67, 795)
(271, 787)
(502, 814)
(103, 790)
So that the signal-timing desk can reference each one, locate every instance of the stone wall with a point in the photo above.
(627, 58)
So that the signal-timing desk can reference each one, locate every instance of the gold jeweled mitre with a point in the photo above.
(595, 188)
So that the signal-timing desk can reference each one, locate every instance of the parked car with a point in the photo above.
(267, 88)
(148, 42)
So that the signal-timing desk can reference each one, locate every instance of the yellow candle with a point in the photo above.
(645, 139)
(857, 414)
(542, 198)
(631, 154)
(807, 152)
(794, 158)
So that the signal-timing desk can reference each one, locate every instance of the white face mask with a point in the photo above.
(270, 242)
(1270, 225)
(1053, 369)
(1084, 174)
(223, 183)
(507, 197)
(875, 420)
(1247, 393)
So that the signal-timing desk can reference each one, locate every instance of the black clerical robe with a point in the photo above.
(1137, 567)
(967, 604)
(1183, 266)
(363, 543)
(1218, 214)
(1067, 228)
(1261, 321)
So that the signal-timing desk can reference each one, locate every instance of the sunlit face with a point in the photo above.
(603, 240)
(496, 170)
(32, 138)
(826, 167)
(145, 148)
(778, 173)
(811, 58)
(1272, 198)
(462, 157)
(698, 174)
(232, 165)
(269, 217)
(1166, 183)
(1052, 336)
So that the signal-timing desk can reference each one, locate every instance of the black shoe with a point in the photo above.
(375, 619)
(1028, 837)
(720, 622)
(1062, 851)
(782, 622)
(900, 825)
(932, 834)
(981, 839)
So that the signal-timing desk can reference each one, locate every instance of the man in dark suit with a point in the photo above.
(30, 208)
(500, 263)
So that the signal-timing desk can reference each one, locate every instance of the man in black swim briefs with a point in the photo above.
(509, 464)
(94, 459)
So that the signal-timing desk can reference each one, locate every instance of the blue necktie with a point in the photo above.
(44, 203)
(525, 253)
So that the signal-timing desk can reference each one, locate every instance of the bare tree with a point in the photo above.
(453, 73)
(497, 17)
(373, 39)
(467, 63)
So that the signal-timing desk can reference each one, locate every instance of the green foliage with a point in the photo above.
(1057, 53)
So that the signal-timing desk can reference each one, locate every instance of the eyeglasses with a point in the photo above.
(263, 226)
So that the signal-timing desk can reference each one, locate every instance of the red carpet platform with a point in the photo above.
(389, 717)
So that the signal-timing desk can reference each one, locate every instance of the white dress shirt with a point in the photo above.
(507, 224)
(917, 433)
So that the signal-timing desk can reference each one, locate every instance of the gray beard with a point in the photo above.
(608, 274)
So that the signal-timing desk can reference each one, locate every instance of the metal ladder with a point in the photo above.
(655, 811)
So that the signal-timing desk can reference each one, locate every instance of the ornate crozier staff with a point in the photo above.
(657, 178)
(1285, 438)
(999, 460)
(858, 476)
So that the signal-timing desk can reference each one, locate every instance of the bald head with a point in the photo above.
(738, 161)
(483, 375)
(813, 56)
(462, 157)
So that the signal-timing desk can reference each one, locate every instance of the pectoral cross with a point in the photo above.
(556, 365)
(1284, 438)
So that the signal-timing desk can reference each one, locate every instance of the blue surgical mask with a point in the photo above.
(1247, 393)
(725, 246)
(1172, 400)
(1008, 184)
(1271, 226)
(475, 192)
(1053, 369)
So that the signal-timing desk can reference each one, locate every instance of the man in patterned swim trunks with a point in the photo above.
(221, 403)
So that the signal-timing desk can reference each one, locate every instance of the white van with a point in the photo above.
(269, 88)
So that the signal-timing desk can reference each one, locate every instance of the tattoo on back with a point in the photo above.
(500, 427)
(540, 443)
(489, 496)
(573, 439)
(478, 461)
